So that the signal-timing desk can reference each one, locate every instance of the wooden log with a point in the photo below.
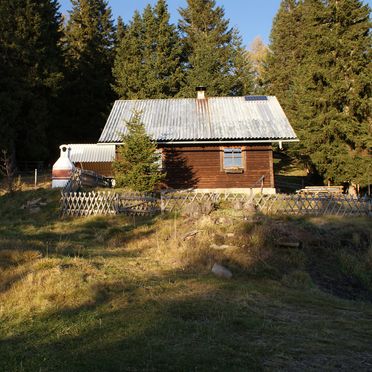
(290, 244)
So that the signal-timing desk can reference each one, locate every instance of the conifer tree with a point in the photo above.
(128, 68)
(89, 49)
(285, 54)
(137, 165)
(211, 49)
(120, 30)
(333, 89)
(168, 52)
(147, 64)
(243, 83)
(30, 74)
(319, 67)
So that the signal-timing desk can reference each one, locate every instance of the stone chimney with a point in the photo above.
(200, 91)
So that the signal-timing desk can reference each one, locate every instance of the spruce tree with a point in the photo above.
(332, 89)
(120, 30)
(148, 64)
(30, 74)
(285, 55)
(89, 50)
(137, 165)
(211, 49)
(167, 54)
(128, 68)
(243, 83)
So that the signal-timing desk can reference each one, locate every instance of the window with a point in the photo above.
(232, 158)
(159, 159)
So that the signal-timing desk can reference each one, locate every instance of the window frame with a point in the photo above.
(234, 168)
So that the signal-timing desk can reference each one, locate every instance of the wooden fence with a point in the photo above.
(105, 203)
(314, 205)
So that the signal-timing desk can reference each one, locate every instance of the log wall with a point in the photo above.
(202, 167)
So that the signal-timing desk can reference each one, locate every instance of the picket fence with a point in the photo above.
(110, 203)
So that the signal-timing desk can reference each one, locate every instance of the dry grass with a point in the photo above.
(123, 293)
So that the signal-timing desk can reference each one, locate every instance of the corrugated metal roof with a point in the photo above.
(91, 153)
(188, 119)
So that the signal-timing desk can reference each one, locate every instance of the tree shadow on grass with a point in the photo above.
(94, 233)
(186, 323)
(126, 328)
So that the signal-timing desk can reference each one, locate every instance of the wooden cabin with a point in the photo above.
(208, 144)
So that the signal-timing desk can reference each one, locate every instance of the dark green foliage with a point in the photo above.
(333, 89)
(147, 64)
(285, 53)
(320, 70)
(89, 49)
(137, 166)
(30, 73)
(120, 30)
(213, 53)
(127, 71)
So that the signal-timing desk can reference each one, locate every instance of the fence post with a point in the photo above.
(162, 207)
(35, 177)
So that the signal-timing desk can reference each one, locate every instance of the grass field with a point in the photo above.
(136, 294)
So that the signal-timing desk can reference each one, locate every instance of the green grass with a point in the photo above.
(129, 294)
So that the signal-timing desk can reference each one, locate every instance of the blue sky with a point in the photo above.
(251, 17)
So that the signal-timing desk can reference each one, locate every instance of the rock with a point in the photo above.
(35, 210)
(33, 202)
(221, 271)
(196, 210)
(222, 246)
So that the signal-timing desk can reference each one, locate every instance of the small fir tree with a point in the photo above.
(137, 165)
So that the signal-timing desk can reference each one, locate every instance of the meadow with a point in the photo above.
(137, 293)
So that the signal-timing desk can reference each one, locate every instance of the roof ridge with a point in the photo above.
(192, 98)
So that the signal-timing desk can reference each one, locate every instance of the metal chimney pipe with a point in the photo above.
(200, 91)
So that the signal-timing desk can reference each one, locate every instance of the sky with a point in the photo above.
(251, 17)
